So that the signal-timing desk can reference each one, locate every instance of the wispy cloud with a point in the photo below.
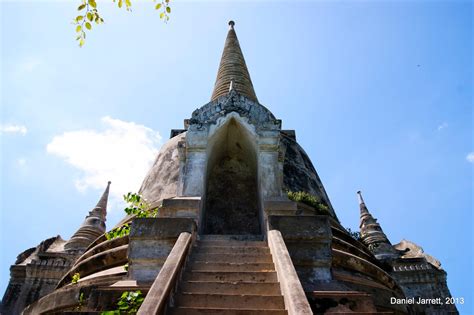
(443, 126)
(122, 152)
(21, 162)
(28, 65)
(14, 129)
(470, 157)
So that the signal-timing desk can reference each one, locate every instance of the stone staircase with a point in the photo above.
(229, 275)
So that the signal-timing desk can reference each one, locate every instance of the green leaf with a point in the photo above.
(158, 6)
(89, 16)
(81, 7)
(78, 28)
(88, 25)
(79, 18)
(93, 4)
(168, 9)
(162, 15)
(120, 3)
(75, 277)
(128, 3)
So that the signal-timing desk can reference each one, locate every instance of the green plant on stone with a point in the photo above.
(373, 247)
(322, 208)
(75, 278)
(128, 303)
(136, 206)
(120, 231)
(80, 302)
(308, 199)
(354, 234)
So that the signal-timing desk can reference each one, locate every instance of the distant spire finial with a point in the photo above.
(231, 24)
(92, 227)
(359, 194)
(102, 204)
(372, 234)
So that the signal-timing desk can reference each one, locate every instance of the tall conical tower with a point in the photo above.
(372, 234)
(233, 72)
(92, 227)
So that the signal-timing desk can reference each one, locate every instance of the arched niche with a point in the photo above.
(231, 202)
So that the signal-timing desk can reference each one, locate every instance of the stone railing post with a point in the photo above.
(161, 288)
(295, 299)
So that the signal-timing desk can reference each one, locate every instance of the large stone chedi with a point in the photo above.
(227, 240)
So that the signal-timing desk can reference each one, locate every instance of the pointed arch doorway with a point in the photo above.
(231, 201)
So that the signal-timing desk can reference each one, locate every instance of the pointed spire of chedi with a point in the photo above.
(233, 72)
(92, 227)
(372, 235)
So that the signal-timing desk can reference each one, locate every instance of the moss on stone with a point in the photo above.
(310, 200)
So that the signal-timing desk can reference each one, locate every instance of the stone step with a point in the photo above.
(212, 276)
(231, 243)
(224, 311)
(222, 266)
(230, 301)
(219, 237)
(234, 257)
(222, 287)
(232, 250)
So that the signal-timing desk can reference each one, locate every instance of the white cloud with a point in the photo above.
(10, 128)
(21, 162)
(443, 126)
(470, 157)
(122, 153)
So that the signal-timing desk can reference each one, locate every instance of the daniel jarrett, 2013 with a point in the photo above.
(417, 300)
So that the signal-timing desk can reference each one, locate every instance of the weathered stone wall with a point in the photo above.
(231, 199)
(419, 279)
(35, 274)
(308, 239)
(299, 173)
(151, 241)
(162, 179)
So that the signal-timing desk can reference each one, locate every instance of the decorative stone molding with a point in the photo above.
(256, 113)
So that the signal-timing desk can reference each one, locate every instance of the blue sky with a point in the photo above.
(380, 95)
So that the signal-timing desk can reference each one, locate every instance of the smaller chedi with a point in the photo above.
(37, 270)
(419, 275)
(244, 226)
